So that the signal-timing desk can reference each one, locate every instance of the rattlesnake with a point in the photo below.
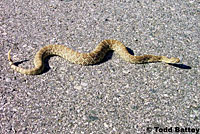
(87, 58)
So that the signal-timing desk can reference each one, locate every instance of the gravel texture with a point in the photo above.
(113, 97)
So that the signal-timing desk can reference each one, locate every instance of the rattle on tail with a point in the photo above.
(87, 58)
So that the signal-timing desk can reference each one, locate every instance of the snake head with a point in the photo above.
(173, 60)
(170, 60)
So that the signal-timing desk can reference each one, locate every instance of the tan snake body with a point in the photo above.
(87, 58)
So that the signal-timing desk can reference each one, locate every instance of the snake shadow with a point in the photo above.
(46, 64)
(181, 66)
(19, 62)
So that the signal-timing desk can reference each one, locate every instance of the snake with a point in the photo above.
(85, 59)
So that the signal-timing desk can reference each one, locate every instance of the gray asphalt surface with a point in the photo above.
(113, 97)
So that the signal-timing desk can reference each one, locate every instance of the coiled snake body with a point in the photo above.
(87, 58)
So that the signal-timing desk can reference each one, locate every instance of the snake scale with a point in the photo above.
(87, 58)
